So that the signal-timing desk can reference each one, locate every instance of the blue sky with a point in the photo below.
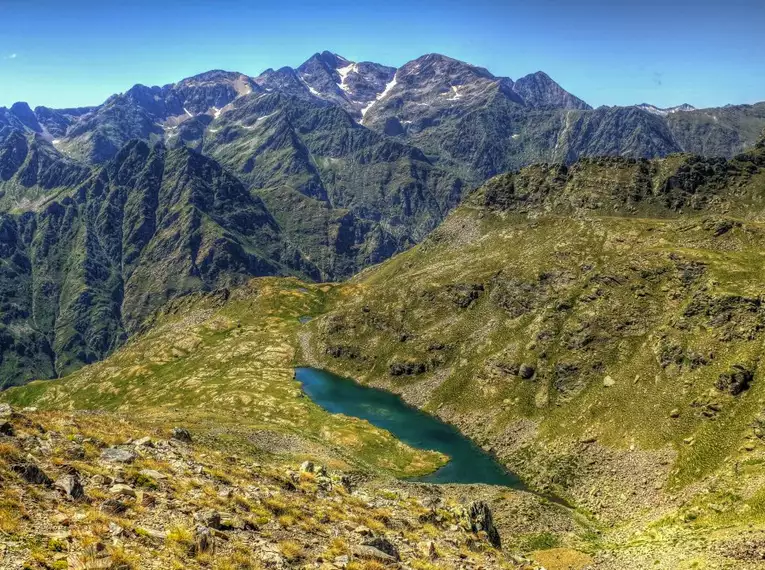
(706, 53)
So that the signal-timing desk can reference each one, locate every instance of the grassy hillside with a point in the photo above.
(599, 328)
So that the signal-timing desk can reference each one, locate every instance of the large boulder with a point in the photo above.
(481, 520)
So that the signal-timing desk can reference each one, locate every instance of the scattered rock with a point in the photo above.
(674, 413)
(526, 371)
(153, 474)
(152, 533)
(203, 540)
(407, 368)
(182, 434)
(6, 411)
(118, 455)
(6, 429)
(384, 545)
(115, 529)
(311, 467)
(371, 553)
(144, 442)
(209, 518)
(122, 490)
(736, 380)
(113, 507)
(608, 382)
(428, 550)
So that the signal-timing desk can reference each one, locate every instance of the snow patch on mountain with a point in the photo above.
(390, 85)
(344, 72)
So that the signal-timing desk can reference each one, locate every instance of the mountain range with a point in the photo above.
(317, 171)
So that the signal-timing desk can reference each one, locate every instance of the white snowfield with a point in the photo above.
(388, 87)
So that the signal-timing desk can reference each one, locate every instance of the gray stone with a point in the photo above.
(481, 519)
(113, 507)
(526, 371)
(118, 455)
(384, 545)
(209, 518)
(371, 553)
(203, 540)
(6, 411)
(152, 474)
(182, 434)
(122, 490)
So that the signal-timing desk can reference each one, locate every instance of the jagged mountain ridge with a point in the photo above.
(382, 97)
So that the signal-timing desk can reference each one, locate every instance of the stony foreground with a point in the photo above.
(92, 491)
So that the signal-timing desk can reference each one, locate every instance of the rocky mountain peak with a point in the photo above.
(539, 90)
(435, 65)
(27, 117)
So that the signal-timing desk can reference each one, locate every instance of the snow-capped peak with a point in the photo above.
(665, 111)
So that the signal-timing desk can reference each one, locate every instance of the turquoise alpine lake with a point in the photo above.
(468, 463)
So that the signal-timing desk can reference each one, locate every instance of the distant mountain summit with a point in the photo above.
(538, 90)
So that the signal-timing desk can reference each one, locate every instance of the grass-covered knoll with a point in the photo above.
(599, 327)
(226, 362)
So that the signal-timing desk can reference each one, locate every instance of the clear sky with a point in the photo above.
(614, 52)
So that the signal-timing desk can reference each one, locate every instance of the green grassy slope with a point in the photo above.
(224, 359)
